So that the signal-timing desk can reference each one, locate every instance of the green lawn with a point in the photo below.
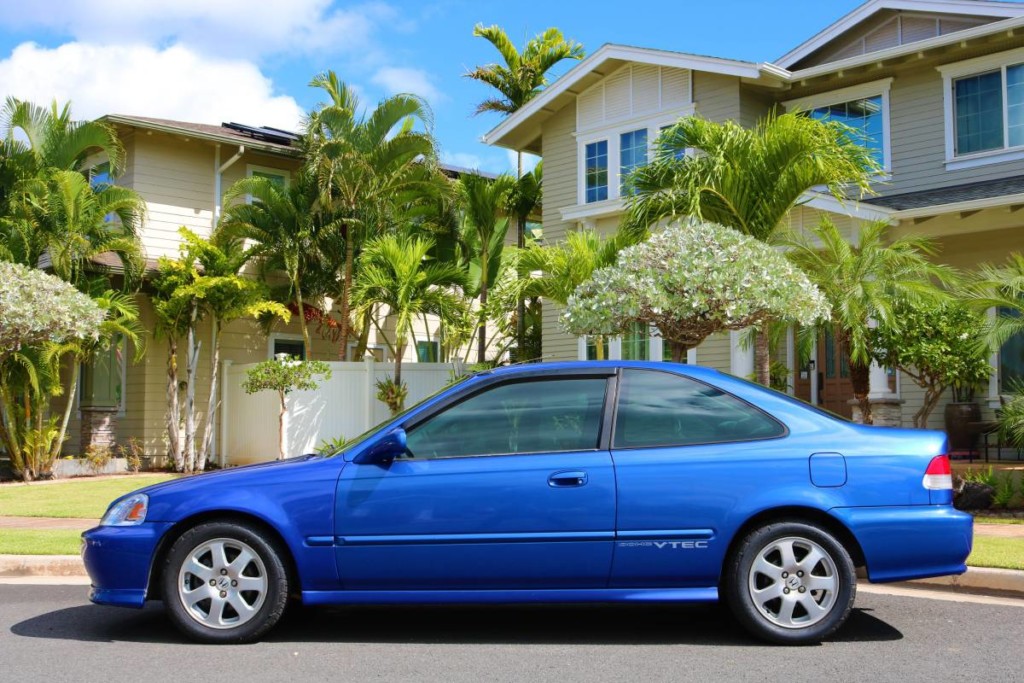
(86, 498)
(40, 542)
(1000, 553)
(998, 520)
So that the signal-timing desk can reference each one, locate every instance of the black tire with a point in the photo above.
(809, 607)
(258, 587)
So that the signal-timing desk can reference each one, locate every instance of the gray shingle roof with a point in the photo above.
(986, 189)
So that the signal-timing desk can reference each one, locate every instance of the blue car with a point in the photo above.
(555, 483)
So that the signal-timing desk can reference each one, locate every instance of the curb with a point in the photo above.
(977, 579)
(1006, 581)
(41, 565)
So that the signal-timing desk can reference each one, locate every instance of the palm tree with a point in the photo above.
(524, 200)
(53, 140)
(485, 225)
(522, 77)
(367, 168)
(70, 223)
(524, 74)
(284, 225)
(866, 283)
(568, 264)
(396, 272)
(747, 179)
(1001, 287)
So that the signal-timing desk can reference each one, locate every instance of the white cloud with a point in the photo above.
(224, 27)
(404, 80)
(175, 82)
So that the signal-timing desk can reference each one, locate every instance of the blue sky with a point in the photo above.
(251, 60)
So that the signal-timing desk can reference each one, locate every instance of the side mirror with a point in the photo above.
(389, 447)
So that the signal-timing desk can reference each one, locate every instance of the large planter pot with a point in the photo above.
(959, 417)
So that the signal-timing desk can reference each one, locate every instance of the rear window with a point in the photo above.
(663, 409)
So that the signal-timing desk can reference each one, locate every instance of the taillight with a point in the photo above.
(938, 476)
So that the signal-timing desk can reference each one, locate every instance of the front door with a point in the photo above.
(507, 489)
(833, 376)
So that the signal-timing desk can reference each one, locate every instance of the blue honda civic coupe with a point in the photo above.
(555, 483)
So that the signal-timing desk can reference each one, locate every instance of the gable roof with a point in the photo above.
(525, 123)
(205, 131)
(988, 8)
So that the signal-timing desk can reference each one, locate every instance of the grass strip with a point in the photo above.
(40, 542)
(85, 498)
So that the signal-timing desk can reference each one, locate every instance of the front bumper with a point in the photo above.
(910, 542)
(118, 560)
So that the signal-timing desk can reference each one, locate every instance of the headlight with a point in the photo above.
(127, 512)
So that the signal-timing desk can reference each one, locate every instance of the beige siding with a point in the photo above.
(715, 352)
(716, 97)
(560, 190)
(754, 106)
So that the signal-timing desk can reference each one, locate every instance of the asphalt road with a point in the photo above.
(52, 633)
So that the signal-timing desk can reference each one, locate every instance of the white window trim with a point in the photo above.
(255, 168)
(612, 134)
(975, 67)
(856, 92)
(284, 336)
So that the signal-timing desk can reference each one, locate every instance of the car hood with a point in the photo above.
(233, 475)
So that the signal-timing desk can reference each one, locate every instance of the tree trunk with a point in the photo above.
(346, 293)
(482, 332)
(212, 402)
(173, 405)
(762, 358)
(76, 369)
(302, 319)
(598, 347)
(678, 351)
(364, 336)
(860, 378)
(932, 395)
(280, 426)
(191, 362)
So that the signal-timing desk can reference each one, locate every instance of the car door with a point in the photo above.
(686, 454)
(508, 488)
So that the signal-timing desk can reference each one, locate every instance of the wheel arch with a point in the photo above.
(796, 513)
(153, 586)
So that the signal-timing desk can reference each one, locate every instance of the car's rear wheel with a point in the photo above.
(790, 583)
(224, 582)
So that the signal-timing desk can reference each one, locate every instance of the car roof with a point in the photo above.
(540, 369)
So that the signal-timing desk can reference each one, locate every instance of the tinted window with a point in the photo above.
(661, 409)
(524, 417)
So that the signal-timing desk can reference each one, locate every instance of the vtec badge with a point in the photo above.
(662, 545)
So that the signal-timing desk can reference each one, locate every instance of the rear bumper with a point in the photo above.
(118, 560)
(910, 542)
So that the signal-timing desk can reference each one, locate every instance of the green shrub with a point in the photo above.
(331, 446)
(1005, 489)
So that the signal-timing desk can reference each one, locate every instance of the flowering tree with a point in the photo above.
(39, 315)
(36, 307)
(284, 376)
(937, 346)
(691, 281)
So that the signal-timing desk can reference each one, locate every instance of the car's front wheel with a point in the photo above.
(224, 582)
(790, 583)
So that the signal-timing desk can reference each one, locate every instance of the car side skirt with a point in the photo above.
(360, 597)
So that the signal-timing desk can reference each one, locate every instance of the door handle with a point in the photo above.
(567, 479)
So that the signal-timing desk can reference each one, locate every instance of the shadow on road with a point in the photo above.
(547, 625)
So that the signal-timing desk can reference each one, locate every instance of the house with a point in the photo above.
(182, 170)
(936, 85)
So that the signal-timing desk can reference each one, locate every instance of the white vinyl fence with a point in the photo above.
(345, 405)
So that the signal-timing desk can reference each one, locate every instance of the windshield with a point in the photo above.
(396, 418)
